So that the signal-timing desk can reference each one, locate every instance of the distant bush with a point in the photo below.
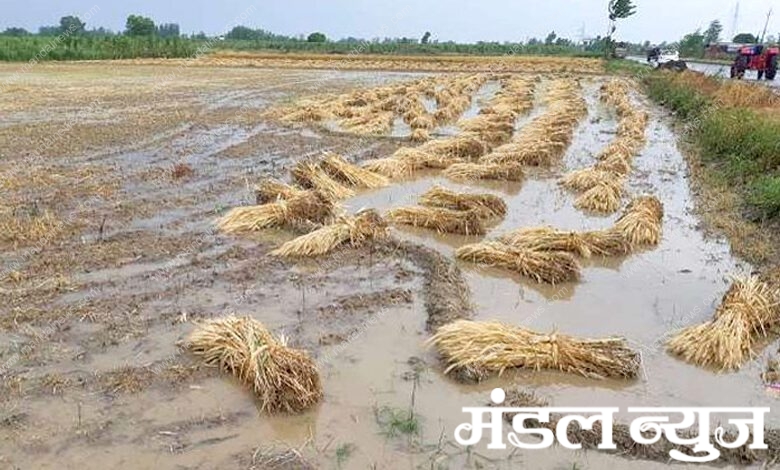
(765, 195)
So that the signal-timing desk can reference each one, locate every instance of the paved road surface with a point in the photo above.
(719, 71)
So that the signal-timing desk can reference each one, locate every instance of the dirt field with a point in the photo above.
(113, 176)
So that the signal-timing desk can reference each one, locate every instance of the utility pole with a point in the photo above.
(766, 25)
(735, 22)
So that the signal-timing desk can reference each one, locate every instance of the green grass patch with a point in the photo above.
(626, 67)
(765, 195)
(686, 102)
(743, 137)
(343, 452)
(396, 422)
(740, 144)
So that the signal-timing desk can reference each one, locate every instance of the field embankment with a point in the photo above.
(735, 130)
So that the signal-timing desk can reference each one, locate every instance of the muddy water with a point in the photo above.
(641, 297)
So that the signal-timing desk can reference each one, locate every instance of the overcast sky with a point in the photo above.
(458, 20)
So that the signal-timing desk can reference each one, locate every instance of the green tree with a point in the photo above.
(745, 38)
(72, 25)
(692, 45)
(137, 25)
(426, 38)
(550, 39)
(618, 10)
(49, 30)
(316, 37)
(713, 32)
(242, 33)
(168, 30)
(13, 31)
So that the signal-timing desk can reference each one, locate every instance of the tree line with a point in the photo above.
(142, 37)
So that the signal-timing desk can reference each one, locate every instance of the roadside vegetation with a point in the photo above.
(736, 128)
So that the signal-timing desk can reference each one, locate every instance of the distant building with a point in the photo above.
(722, 50)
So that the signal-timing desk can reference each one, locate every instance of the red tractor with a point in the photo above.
(761, 58)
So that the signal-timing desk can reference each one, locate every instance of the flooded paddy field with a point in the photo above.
(113, 179)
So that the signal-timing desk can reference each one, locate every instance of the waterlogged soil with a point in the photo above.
(94, 311)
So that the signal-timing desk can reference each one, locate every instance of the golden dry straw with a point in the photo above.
(485, 171)
(354, 231)
(352, 175)
(392, 167)
(463, 146)
(496, 347)
(283, 379)
(741, 322)
(501, 123)
(615, 164)
(603, 198)
(438, 219)
(271, 190)
(419, 135)
(309, 175)
(406, 161)
(487, 206)
(308, 207)
(583, 244)
(372, 122)
(552, 267)
(641, 221)
(587, 178)
(422, 122)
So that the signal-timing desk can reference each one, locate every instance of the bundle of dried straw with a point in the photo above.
(283, 379)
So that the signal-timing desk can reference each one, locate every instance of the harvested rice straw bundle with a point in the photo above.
(351, 175)
(503, 123)
(550, 267)
(308, 207)
(313, 113)
(650, 204)
(423, 121)
(462, 146)
(586, 178)
(538, 153)
(419, 135)
(583, 244)
(615, 164)
(621, 148)
(747, 312)
(406, 161)
(438, 219)
(283, 379)
(393, 167)
(603, 198)
(493, 139)
(641, 221)
(355, 231)
(496, 347)
(370, 123)
(485, 171)
(487, 206)
(271, 190)
(434, 159)
(310, 175)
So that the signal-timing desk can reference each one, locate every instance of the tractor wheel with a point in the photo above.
(733, 72)
(771, 71)
(760, 75)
